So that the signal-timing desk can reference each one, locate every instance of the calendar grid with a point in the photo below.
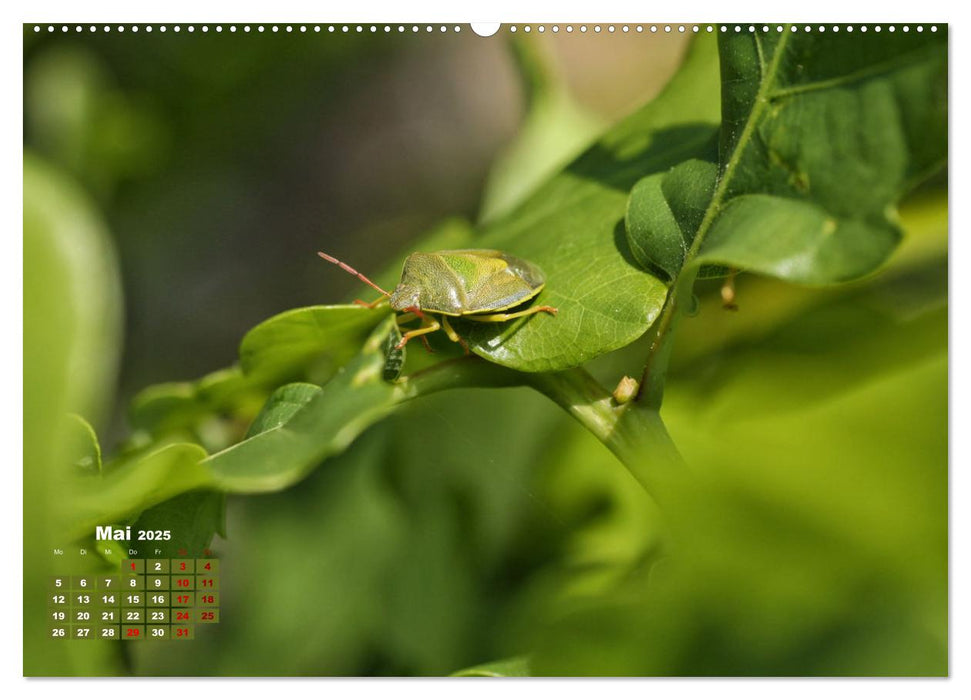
(153, 599)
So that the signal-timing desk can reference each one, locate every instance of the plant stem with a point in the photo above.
(635, 434)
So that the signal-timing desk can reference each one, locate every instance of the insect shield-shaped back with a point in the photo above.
(466, 282)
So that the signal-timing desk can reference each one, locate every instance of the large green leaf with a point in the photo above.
(821, 135)
(572, 227)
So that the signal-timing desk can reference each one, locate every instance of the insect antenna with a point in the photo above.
(347, 268)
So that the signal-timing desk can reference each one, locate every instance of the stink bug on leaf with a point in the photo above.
(478, 285)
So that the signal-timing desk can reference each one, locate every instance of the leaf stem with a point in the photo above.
(635, 434)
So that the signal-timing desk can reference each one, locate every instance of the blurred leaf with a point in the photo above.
(572, 227)
(190, 409)
(811, 538)
(82, 445)
(72, 292)
(331, 419)
(193, 518)
(516, 667)
(822, 133)
(555, 128)
(127, 488)
(72, 321)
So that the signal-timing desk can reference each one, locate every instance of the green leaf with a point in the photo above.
(516, 667)
(797, 241)
(572, 227)
(822, 133)
(324, 423)
(281, 406)
(664, 212)
(282, 346)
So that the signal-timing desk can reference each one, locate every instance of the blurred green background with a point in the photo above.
(478, 525)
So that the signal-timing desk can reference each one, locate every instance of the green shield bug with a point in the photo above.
(478, 285)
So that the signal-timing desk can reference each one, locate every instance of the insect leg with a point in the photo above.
(429, 326)
(453, 336)
(497, 318)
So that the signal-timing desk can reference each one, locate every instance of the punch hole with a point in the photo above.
(485, 29)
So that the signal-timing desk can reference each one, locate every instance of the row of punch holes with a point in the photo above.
(554, 28)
